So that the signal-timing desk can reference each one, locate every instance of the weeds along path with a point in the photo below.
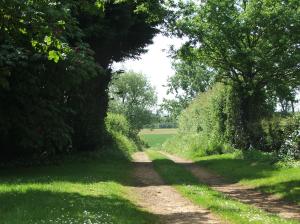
(244, 194)
(163, 200)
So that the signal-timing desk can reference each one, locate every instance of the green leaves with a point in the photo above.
(252, 46)
(134, 97)
(48, 40)
(100, 4)
(53, 55)
(54, 69)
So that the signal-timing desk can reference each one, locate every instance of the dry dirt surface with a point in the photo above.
(242, 193)
(163, 200)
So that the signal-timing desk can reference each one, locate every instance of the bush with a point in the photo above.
(195, 145)
(290, 148)
(281, 135)
(125, 140)
(117, 123)
(204, 124)
(212, 124)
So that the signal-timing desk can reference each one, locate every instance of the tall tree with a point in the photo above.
(55, 61)
(252, 45)
(134, 97)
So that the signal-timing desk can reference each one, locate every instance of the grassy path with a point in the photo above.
(240, 192)
(118, 192)
(162, 200)
(256, 171)
(228, 209)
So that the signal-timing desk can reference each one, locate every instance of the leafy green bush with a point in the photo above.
(281, 135)
(195, 145)
(290, 148)
(117, 123)
(204, 125)
(212, 124)
(124, 139)
(272, 133)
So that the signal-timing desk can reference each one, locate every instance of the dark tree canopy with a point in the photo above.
(55, 61)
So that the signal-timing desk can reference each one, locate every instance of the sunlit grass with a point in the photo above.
(161, 131)
(156, 137)
(156, 140)
(259, 173)
(88, 192)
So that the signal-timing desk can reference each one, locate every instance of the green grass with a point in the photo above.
(257, 172)
(227, 209)
(160, 131)
(78, 192)
(156, 137)
(155, 140)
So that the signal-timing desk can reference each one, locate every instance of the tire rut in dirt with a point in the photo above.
(242, 193)
(163, 200)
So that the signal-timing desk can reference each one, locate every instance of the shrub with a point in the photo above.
(212, 124)
(290, 148)
(282, 135)
(117, 123)
(203, 124)
(125, 141)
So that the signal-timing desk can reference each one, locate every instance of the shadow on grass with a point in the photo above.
(174, 174)
(84, 172)
(178, 175)
(119, 171)
(79, 173)
(235, 170)
(36, 206)
(289, 190)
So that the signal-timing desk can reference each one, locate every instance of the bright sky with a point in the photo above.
(156, 64)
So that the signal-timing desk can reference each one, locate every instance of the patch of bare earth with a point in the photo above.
(242, 193)
(160, 199)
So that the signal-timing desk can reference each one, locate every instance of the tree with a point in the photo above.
(191, 78)
(55, 61)
(134, 97)
(252, 45)
(118, 30)
(191, 75)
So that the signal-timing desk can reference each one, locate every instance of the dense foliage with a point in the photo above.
(55, 61)
(211, 124)
(203, 125)
(133, 96)
(252, 47)
(191, 78)
(126, 141)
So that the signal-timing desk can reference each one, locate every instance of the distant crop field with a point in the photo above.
(163, 131)
(156, 137)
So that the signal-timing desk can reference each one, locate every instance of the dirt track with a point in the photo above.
(242, 193)
(163, 200)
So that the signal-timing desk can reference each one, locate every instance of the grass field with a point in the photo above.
(78, 192)
(162, 131)
(260, 173)
(229, 210)
(156, 137)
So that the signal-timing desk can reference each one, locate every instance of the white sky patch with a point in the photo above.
(155, 64)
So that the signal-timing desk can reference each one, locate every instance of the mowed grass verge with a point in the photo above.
(156, 137)
(257, 171)
(78, 192)
(227, 209)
